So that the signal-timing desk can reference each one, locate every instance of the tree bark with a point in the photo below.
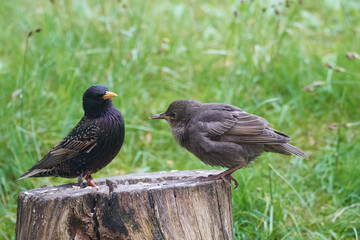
(160, 205)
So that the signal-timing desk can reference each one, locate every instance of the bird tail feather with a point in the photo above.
(31, 173)
(286, 149)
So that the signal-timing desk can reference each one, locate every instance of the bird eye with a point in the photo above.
(173, 114)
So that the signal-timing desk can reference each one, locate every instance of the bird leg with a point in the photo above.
(80, 181)
(226, 174)
(88, 180)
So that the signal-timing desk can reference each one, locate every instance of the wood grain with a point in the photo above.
(159, 205)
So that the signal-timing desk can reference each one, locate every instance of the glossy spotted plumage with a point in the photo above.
(91, 145)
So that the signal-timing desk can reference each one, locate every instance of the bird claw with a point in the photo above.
(234, 180)
(208, 178)
(80, 181)
(212, 177)
(88, 180)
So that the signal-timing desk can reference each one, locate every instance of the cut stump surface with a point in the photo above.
(159, 205)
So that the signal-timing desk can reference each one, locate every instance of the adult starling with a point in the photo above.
(91, 145)
(224, 135)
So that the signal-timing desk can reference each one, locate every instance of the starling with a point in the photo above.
(224, 135)
(91, 145)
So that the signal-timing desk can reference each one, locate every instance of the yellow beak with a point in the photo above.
(108, 95)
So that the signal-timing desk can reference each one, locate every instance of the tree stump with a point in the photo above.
(160, 205)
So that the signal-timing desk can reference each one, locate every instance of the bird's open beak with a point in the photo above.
(158, 116)
(108, 95)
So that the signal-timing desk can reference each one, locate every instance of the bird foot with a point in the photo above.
(234, 180)
(88, 180)
(226, 178)
(81, 184)
(80, 181)
(226, 175)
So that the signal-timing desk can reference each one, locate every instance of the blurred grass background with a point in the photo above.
(283, 60)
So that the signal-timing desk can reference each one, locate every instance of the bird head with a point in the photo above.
(177, 114)
(96, 100)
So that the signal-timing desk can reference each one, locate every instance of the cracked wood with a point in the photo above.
(160, 205)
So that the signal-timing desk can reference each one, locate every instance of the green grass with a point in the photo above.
(258, 55)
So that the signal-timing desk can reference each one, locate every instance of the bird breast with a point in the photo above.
(179, 134)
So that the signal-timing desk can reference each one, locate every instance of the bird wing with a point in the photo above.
(81, 140)
(231, 124)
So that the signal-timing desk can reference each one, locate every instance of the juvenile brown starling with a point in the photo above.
(224, 135)
(91, 145)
